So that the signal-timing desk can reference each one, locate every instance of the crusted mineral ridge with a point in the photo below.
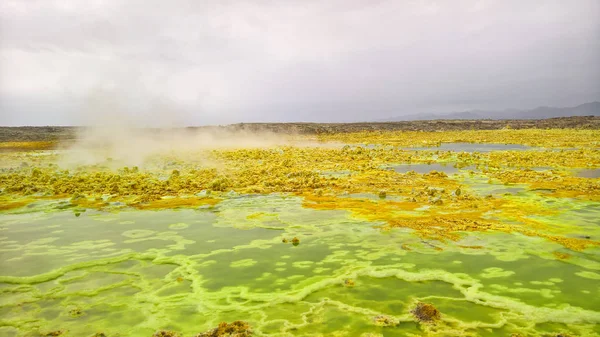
(425, 312)
(233, 329)
(165, 333)
(345, 228)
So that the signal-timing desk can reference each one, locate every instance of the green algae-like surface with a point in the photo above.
(502, 239)
(134, 272)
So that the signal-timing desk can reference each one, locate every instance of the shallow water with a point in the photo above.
(426, 168)
(133, 272)
(125, 272)
(589, 173)
(471, 147)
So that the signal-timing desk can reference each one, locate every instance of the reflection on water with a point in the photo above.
(471, 147)
(426, 168)
(588, 173)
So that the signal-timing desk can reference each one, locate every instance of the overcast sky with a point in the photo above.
(65, 62)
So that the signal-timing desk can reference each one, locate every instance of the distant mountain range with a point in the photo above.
(587, 109)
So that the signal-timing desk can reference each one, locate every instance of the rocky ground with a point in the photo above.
(62, 133)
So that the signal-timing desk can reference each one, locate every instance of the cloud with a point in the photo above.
(227, 61)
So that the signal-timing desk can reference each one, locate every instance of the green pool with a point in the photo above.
(131, 273)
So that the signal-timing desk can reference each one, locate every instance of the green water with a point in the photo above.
(134, 272)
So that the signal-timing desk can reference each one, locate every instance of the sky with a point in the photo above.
(194, 62)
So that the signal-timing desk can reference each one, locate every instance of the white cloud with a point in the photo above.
(268, 60)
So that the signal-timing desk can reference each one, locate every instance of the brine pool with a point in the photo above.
(471, 147)
(132, 273)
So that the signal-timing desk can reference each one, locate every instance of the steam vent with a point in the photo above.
(296, 168)
(292, 237)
